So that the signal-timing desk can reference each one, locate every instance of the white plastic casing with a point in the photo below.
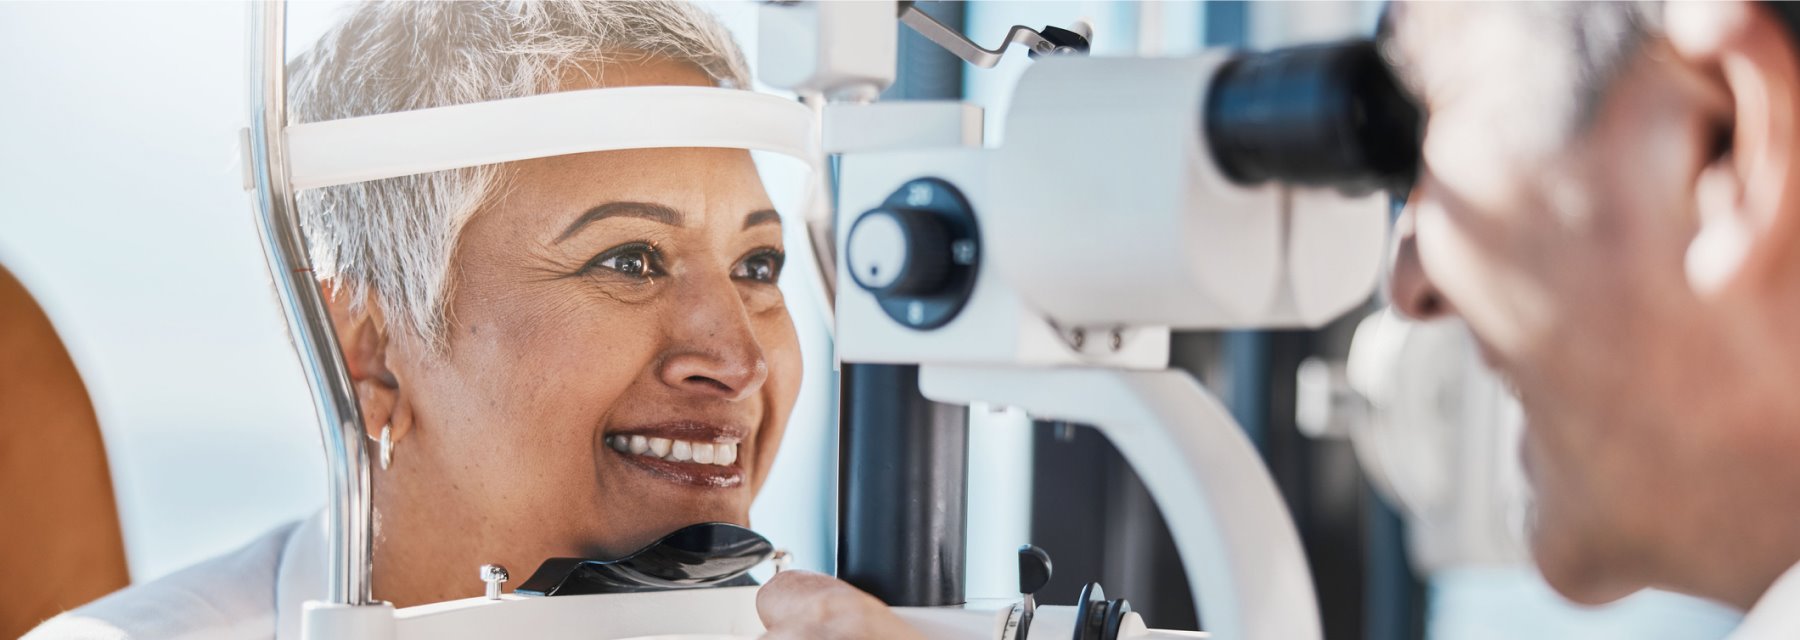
(1239, 547)
(1334, 252)
(388, 145)
(1125, 226)
(996, 325)
(1111, 209)
(839, 49)
(907, 124)
(1133, 222)
(697, 614)
(322, 620)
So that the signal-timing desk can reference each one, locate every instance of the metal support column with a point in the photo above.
(902, 524)
(903, 460)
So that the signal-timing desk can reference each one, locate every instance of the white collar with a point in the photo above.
(1777, 612)
(300, 575)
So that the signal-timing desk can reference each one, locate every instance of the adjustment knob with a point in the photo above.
(899, 252)
(1097, 618)
(1034, 569)
(917, 254)
(493, 575)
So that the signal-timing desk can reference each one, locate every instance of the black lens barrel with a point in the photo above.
(1319, 115)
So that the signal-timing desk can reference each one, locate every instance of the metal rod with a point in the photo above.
(347, 516)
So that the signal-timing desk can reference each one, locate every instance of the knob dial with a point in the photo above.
(899, 252)
(917, 254)
(1034, 569)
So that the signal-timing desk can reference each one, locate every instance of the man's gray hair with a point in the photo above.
(1602, 39)
(394, 238)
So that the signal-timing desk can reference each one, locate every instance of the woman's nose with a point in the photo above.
(714, 350)
(1409, 289)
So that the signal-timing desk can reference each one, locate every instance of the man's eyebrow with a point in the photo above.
(645, 210)
(765, 216)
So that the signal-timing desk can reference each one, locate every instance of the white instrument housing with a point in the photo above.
(727, 613)
(1127, 228)
(837, 49)
(1104, 223)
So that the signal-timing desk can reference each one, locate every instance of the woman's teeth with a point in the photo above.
(675, 450)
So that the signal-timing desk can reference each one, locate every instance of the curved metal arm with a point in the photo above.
(962, 47)
(309, 323)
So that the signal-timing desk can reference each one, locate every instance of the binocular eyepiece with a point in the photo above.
(1328, 115)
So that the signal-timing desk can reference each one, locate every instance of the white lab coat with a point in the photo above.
(253, 593)
(1777, 612)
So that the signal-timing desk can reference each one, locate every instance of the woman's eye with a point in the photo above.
(761, 267)
(634, 261)
(633, 264)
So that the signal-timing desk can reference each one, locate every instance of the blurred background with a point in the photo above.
(122, 214)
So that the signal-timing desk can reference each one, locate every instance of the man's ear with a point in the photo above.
(1746, 194)
(363, 336)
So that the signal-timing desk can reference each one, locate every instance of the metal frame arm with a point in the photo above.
(309, 322)
(962, 47)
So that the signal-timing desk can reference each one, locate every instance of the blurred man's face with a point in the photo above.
(1560, 240)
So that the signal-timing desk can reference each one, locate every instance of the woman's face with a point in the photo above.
(619, 362)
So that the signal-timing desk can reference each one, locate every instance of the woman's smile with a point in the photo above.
(695, 454)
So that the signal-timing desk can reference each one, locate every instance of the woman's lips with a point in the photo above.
(690, 453)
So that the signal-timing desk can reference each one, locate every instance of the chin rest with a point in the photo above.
(713, 554)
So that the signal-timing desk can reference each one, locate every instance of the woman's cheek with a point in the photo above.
(785, 358)
(761, 300)
(781, 349)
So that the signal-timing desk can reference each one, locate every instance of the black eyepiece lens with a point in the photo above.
(1319, 115)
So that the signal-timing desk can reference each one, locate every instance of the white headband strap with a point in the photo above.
(323, 154)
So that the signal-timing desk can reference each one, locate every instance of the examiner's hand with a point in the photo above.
(802, 605)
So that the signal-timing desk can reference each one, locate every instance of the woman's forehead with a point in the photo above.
(699, 183)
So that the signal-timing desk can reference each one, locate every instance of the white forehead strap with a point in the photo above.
(323, 154)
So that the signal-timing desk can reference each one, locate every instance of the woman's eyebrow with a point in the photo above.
(645, 210)
(765, 216)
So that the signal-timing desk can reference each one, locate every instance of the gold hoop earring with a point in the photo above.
(387, 446)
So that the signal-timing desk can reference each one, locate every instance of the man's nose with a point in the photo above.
(714, 350)
(1409, 288)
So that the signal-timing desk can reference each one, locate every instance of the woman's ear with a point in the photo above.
(1746, 194)
(363, 336)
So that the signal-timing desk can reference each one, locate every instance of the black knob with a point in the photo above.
(918, 253)
(899, 252)
(1034, 569)
(1065, 39)
(1097, 618)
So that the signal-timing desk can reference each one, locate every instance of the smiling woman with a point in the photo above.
(565, 357)
(619, 295)
(645, 304)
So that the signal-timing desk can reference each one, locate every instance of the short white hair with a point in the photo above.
(394, 238)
